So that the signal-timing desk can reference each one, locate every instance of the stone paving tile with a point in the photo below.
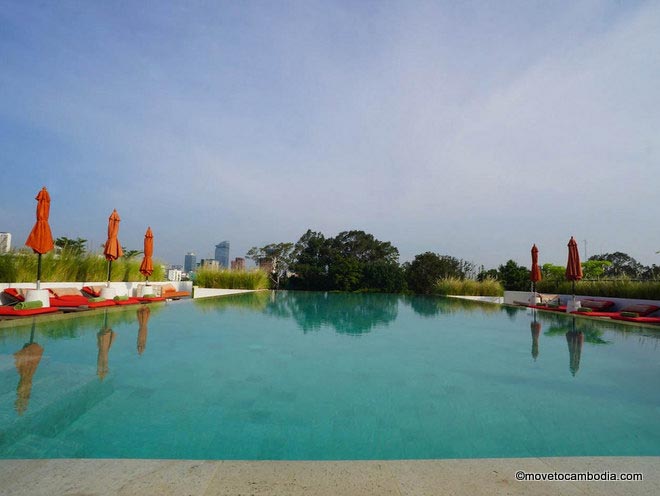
(492, 477)
(649, 467)
(473, 477)
(302, 478)
(109, 477)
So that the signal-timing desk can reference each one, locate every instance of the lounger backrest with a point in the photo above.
(11, 296)
(598, 305)
(641, 309)
(60, 292)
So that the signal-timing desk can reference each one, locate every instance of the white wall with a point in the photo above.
(511, 297)
(122, 288)
(211, 292)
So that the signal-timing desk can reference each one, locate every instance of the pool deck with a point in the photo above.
(399, 477)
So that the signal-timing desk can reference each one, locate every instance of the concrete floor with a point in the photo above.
(401, 477)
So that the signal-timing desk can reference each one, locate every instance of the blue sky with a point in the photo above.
(471, 129)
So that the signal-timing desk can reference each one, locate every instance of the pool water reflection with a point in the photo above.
(327, 376)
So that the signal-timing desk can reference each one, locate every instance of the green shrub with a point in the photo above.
(617, 288)
(21, 266)
(468, 287)
(231, 279)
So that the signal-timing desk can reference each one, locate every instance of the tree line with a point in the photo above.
(356, 261)
(353, 261)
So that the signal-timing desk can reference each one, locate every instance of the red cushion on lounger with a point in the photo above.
(13, 296)
(152, 298)
(561, 308)
(598, 305)
(11, 311)
(69, 301)
(99, 304)
(641, 308)
(91, 291)
(130, 301)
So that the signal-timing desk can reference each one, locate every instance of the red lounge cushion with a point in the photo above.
(642, 309)
(99, 304)
(13, 295)
(597, 304)
(561, 308)
(175, 294)
(130, 301)
(69, 301)
(153, 298)
(91, 291)
(5, 310)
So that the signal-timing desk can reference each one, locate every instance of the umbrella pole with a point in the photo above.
(39, 271)
(109, 271)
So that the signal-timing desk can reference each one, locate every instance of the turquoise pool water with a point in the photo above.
(313, 376)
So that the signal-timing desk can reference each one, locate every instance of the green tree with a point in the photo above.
(128, 254)
(74, 246)
(424, 271)
(555, 273)
(352, 260)
(384, 276)
(594, 269)
(310, 262)
(622, 264)
(345, 273)
(363, 247)
(514, 277)
(277, 257)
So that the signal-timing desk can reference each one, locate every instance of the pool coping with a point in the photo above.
(494, 476)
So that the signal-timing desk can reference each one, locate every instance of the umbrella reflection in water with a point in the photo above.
(26, 361)
(575, 339)
(104, 340)
(143, 314)
(535, 327)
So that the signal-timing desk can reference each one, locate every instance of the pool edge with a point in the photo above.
(397, 477)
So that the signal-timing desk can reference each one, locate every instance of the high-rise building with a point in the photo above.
(5, 242)
(222, 253)
(238, 264)
(189, 262)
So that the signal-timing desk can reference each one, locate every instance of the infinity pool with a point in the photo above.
(314, 376)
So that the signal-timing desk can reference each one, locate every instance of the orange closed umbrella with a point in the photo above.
(573, 267)
(147, 265)
(40, 238)
(535, 274)
(112, 249)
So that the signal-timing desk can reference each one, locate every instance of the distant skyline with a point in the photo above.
(470, 129)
